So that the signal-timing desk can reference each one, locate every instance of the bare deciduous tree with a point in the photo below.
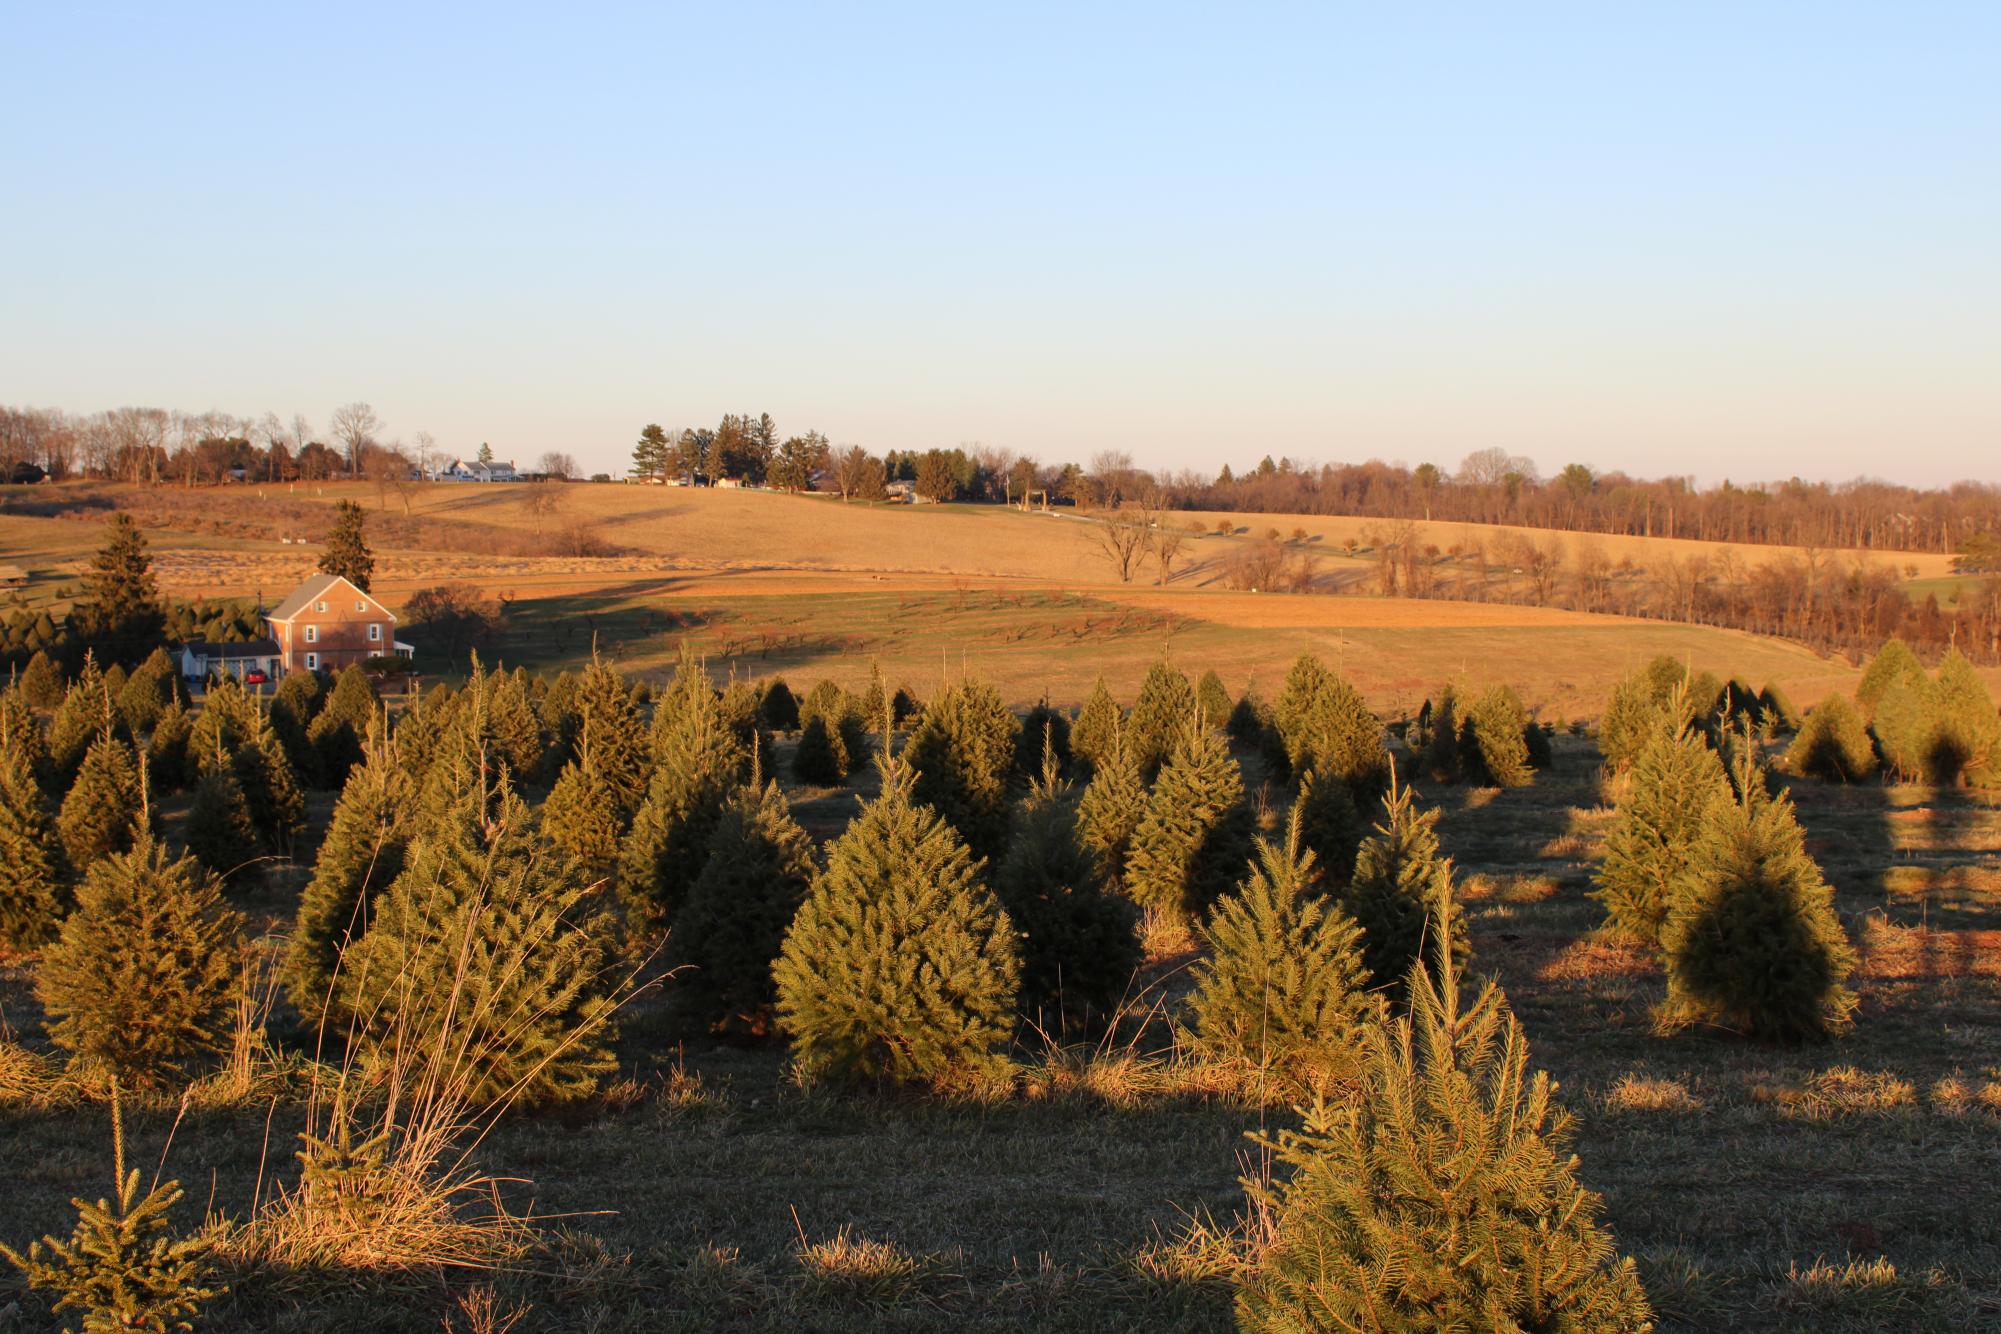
(858, 474)
(1125, 536)
(557, 464)
(354, 427)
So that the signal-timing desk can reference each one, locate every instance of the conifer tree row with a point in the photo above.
(759, 869)
(1401, 891)
(31, 862)
(1196, 834)
(961, 756)
(1674, 777)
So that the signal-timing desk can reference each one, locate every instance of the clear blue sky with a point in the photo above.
(1752, 240)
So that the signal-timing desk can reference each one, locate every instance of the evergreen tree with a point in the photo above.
(514, 725)
(41, 682)
(1966, 741)
(104, 811)
(580, 818)
(1441, 1196)
(23, 732)
(558, 711)
(1196, 834)
(347, 553)
(737, 707)
(696, 762)
(1778, 708)
(900, 964)
(1630, 716)
(145, 975)
(338, 731)
(1165, 704)
(779, 708)
(1281, 988)
(1113, 804)
(1751, 937)
(362, 853)
(1044, 738)
(1330, 826)
(1893, 662)
(603, 697)
(1250, 720)
(1079, 948)
(219, 833)
(290, 712)
(480, 953)
(961, 754)
(1337, 737)
(1097, 723)
(167, 747)
(31, 869)
(759, 871)
(86, 714)
(118, 613)
(270, 786)
(874, 708)
(147, 691)
(1213, 700)
(1906, 724)
(1438, 751)
(1832, 744)
(1493, 751)
(1401, 891)
(1674, 778)
(1298, 699)
(821, 759)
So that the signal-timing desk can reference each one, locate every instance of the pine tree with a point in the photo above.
(362, 853)
(104, 812)
(1492, 749)
(1196, 834)
(1098, 721)
(347, 553)
(1330, 827)
(1637, 699)
(1079, 947)
(1113, 804)
(1212, 699)
(219, 833)
(1401, 891)
(1751, 937)
(900, 965)
(41, 683)
(961, 754)
(779, 708)
(1674, 778)
(1832, 744)
(338, 732)
(31, 868)
(696, 762)
(86, 714)
(120, 1266)
(118, 614)
(1777, 706)
(1893, 662)
(1905, 724)
(481, 954)
(1440, 1196)
(1333, 733)
(759, 871)
(1281, 988)
(1165, 704)
(821, 759)
(145, 975)
(1966, 741)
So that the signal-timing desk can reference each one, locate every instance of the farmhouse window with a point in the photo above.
(312, 634)
(312, 662)
(322, 606)
(360, 606)
(374, 632)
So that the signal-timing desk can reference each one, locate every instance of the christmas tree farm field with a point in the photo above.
(1839, 1186)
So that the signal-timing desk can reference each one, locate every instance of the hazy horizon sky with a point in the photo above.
(1748, 240)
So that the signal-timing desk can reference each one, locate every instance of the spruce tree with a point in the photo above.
(874, 708)
(23, 731)
(1441, 1195)
(31, 867)
(961, 754)
(1630, 716)
(1674, 778)
(1044, 737)
(1250, 719)
(696, 762)
(1100, 718)
(1298, 699)
(1079, 947)
(1493, 750)
(580, 818)
(291, 710)
(1113, 804)
(900, 964)
(167, 748)
(346, 553)
(104, 812)
(821, 759)
(1966, 742)
(87, 713)
(1832, 745)
(147, 691)
(759, 870)
(145, 975)
(118, 614)
(1165, 704)
(1330, 827)
(219, 833)
(1401, 891)
(1751, 937)
(1196, 834)
(338, 732)
(779, 708)
(1439, 754)
(1893, 662)
(737, 708)
(558, 711)
(479, 954)
(1905, 723)
(625, 747)
(1780, 713)
(512, 722)
(362, 853)
(270, 786)
(1281, 986)
(1337, 737)
(1213, 700)
(41, 682)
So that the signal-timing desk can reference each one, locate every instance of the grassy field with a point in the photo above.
(1844, 1187)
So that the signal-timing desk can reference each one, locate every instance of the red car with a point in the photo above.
(255, 677)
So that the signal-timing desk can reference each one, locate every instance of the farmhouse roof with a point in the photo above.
(254, 648)
(311, 591)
